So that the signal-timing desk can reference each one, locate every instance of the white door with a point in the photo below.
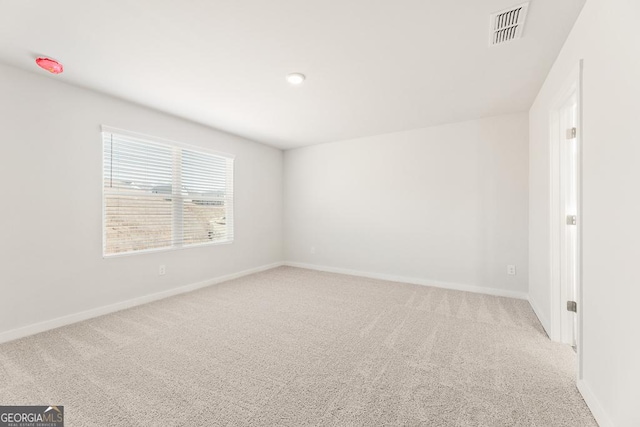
(569, 164)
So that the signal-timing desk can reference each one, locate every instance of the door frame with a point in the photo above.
(572, 85)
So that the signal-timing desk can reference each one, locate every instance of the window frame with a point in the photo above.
(170, 143)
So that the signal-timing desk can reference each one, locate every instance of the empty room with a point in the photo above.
(319, 213)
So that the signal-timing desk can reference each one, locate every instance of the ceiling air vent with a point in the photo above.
(507, 25)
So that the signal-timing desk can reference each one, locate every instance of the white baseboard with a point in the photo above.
(543, 320)
(424, 282)
(100, 311)
(594, 405)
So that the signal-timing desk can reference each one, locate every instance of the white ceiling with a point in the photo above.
(372, 66)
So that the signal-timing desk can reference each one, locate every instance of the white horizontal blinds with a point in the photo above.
(137, 188)
(208, 202)
(158, 195)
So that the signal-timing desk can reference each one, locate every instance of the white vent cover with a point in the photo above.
(507, 25)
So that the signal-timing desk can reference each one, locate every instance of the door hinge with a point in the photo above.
(572, 306)
(572, 133)
(572, 220)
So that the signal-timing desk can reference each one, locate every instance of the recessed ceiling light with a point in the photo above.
(295, 78)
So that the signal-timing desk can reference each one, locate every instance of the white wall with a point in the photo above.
(446, 203)
(50, 220)
(607, 37)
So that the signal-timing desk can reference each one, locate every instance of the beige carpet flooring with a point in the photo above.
(295, 347)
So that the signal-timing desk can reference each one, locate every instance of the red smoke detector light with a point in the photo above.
(51, 65)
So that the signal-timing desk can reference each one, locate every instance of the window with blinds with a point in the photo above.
(163, 195)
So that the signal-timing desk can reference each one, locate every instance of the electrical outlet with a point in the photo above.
(162, 270)
(313, 250)
(511, 270)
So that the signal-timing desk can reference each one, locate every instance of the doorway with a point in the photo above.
(566, 215)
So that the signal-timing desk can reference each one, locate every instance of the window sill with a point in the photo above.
(171, 249)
